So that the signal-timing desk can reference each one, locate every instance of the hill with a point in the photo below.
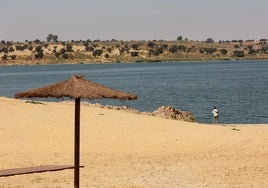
(114, 51)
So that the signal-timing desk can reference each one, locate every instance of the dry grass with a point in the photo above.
(122, 51)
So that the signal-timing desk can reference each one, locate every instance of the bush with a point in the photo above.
(39, 55)
(210, 50)
(106, 56)
(97, 52)
(11, 49)
(39, 52)
(69, 48)
(264, 50)
(135, 46)
(109, 49)
(13, 57)
(20, 48)
(173, 49)
(4, 57)
(89, 49)
(65, 56)
(30, 48)
(182, 48)
(134, 54)
(150, 44)
(223, 51)
(239, 53)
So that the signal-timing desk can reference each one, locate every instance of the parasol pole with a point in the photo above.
(77, 142)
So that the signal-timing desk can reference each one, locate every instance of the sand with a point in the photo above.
(123, 149)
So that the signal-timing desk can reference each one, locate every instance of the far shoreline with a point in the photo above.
(131, 62)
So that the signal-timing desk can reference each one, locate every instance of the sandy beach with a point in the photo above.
(122, 149)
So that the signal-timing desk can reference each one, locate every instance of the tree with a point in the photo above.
(209, 40)
(179, 38)
(52, 37)
(55, 38)
(37, 41)
(49, 37)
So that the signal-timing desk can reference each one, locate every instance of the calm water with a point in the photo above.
(238, 88)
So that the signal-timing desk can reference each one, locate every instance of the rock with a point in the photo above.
(169, 112)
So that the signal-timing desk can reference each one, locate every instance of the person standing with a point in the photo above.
(215, 113)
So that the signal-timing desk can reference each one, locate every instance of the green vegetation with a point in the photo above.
(54, 51)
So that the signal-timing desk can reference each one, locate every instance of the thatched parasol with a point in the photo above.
(76, 87)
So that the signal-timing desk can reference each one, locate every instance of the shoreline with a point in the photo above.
(131, 62)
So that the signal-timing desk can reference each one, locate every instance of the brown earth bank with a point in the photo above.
(114, 51)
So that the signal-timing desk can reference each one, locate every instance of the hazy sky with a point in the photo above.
(133, 19)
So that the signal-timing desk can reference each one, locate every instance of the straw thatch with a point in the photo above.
(76, 87)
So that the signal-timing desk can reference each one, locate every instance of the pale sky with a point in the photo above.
(22, 20)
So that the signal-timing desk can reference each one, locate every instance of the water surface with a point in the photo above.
(238, 88)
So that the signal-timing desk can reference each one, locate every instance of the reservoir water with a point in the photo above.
(238, 88)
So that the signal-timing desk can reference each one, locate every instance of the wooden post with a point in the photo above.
(77, 143)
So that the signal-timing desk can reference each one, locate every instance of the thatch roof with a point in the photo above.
(76, 87)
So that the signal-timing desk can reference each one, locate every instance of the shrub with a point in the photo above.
(135, 46)
(239, 53)
(69, 48)
(150, 44)
(223, 51)
(13, 57)
(210, 50)
(134, 54)
(106, 56)
(65, 56)
(173, 49)
(11, 49)
(109, 49)
(20, 48)
(264, 50)
(89, 49)
(182, 48)
(4, 57)
(97, 52)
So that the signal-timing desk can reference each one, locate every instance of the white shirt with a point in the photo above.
(215, 112)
